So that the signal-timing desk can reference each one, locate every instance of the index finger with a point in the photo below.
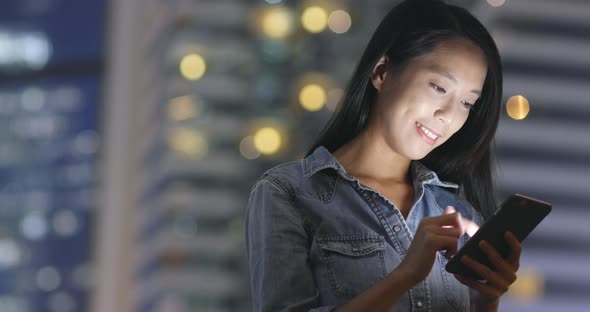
(452, 219)
(467, 226)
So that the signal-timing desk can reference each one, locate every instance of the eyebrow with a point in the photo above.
(440, 71)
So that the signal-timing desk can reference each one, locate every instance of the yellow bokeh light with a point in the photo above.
(314, 19)
(188, 142)
(339, 21)
(277, 23)
(192, 66)
(267, 140)
(517, 107)
(312, 97)
(184, 107)
(528, 287)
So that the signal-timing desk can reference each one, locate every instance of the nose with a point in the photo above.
(445, 112)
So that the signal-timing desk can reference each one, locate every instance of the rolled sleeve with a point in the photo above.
(278, 252)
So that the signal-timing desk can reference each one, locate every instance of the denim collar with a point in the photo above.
(322, 159)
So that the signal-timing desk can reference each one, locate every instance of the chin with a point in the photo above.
(417, 155)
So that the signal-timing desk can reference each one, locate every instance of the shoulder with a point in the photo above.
(290, 171)
(284, 177)
(275, 197)
(295, 181)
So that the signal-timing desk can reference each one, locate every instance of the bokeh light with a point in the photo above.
(188, 143)
(312, 97)
(528, 287)
(65, 223)
(517, 107)
(192, 66)
(34, 226)
(314, 19)
(184, 107)
(268, 140)
(277, 23)
(10, 253)
(248, 149)
(48, 279)
(339, 21)
(496, 3)
(31, 50)
(86, 143)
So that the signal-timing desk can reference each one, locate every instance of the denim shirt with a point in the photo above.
(316, 237)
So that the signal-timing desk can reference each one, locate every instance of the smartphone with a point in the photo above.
(518, 214)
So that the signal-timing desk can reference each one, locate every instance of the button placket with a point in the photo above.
(372, 198)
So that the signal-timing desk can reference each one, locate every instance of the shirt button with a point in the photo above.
(397, 228)
(419, 304)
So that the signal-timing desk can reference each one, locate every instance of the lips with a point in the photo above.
(428, 134)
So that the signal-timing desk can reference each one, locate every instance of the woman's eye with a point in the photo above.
(438, 88)
(468, 105)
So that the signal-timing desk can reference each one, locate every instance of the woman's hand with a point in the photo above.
(496, 282)
(440, 233)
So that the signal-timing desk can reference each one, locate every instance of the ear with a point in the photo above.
(380, 72)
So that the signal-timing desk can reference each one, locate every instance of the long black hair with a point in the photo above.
(411, 29)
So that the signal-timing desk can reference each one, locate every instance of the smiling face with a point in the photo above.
(421, 107)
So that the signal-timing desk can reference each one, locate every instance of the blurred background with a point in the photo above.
(132, 132)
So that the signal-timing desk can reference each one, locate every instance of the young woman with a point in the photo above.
(368, 220)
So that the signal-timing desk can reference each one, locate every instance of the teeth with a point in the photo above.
(428, 132)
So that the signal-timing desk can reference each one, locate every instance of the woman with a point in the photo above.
(367, 221)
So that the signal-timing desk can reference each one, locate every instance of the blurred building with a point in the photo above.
(50, 94)
(170, 111)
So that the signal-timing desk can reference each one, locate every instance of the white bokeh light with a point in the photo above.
(10, 253)
(48, 279)
(31, 50)
(34, 226)
(36, 49)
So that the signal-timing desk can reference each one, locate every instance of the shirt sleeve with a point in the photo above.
(278, 253)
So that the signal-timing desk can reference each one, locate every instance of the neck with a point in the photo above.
(367, 157)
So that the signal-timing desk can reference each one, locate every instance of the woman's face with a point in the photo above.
(421, 107)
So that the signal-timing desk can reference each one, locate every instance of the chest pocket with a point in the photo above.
(456, 293)
(353, 263)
